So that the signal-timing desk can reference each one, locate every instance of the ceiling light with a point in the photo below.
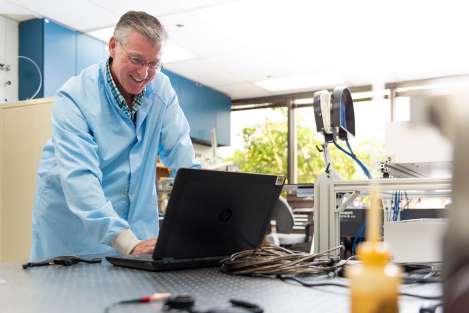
(173, 53)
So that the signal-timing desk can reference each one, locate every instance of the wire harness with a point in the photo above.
(275, 260)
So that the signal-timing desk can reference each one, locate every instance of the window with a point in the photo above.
(402, 109)
(368, 143)
(259, 141)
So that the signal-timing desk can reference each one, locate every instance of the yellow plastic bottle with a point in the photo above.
(374, 284)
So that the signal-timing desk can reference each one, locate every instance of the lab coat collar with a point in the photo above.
(147, 99)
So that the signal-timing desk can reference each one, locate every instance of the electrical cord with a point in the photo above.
(280, 263)
(422, 276)
(358, 237)
(423, 297)
(306, 284)
(396, 209)
(186, 303)
(430, 308)
(324, 284)
(352, 155)
(275, 260)
(183, 301)
(365, 170)
(422, 280)
(64, 260)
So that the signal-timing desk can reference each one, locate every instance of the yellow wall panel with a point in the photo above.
(25, 128)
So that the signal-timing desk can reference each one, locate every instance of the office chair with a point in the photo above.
(281, 234)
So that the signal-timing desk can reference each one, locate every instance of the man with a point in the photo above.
(96, 179)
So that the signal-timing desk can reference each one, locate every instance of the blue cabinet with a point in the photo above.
(31, 41)
(89, 51)
(59, 52)
(59, 56)
(205, 109)
(62, 53)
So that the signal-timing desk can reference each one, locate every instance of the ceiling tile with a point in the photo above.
(239, 42)
(203, 70)
(79, 15)
(243, 90)
(157, 8)
(14, 11)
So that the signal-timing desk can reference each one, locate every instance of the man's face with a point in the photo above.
(134, 63)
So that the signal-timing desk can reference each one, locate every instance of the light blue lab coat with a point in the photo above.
(97, 172)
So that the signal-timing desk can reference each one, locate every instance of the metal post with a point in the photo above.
(292, 144)
(392, 101)
(326, 213)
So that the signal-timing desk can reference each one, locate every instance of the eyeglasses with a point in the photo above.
(154, 66)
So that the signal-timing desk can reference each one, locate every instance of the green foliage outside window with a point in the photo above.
(265, 151)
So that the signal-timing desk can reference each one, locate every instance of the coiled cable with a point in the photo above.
(275, 260)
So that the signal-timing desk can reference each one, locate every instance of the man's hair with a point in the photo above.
(141, 22)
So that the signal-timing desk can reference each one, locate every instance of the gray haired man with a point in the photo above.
(96, 181)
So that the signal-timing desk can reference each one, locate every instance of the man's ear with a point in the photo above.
(112, 47)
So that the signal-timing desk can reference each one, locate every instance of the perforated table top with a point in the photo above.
(91, 287)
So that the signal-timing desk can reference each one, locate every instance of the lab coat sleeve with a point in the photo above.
(176, 148)
(80, 174)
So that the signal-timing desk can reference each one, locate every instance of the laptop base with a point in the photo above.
(148, 264)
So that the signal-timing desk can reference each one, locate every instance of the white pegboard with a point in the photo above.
(9, 56)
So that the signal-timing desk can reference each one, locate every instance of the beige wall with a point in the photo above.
(24, 129)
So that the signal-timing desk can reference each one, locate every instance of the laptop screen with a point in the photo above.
(216, 213)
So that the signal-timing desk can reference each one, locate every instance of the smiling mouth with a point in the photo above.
(137, 81)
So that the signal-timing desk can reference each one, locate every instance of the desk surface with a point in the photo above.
(91, 287)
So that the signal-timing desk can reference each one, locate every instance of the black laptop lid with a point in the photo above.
(216, 213)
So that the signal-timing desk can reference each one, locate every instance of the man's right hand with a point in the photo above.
(145, 247)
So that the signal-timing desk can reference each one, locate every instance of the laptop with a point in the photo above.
(210, 215)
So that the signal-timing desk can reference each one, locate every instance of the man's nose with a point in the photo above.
(143, 71)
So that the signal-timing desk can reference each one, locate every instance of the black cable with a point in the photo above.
(65, 260)
(422, 280)
(430, 308)
(284, 264)
(424, 297)
(172, 301)
(323, 284)
(109, 307)
(421, 274)
(186, 303)
(305, 284)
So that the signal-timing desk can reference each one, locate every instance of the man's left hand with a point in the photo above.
(145, 247)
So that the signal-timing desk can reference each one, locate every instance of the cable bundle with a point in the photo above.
(286, 265)
(275, 260)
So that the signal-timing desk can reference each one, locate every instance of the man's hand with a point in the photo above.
(145, 247)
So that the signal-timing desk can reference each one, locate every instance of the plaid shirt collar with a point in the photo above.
(130, 113)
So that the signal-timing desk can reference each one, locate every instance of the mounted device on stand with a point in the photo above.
(334, 114)
(335, 119)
